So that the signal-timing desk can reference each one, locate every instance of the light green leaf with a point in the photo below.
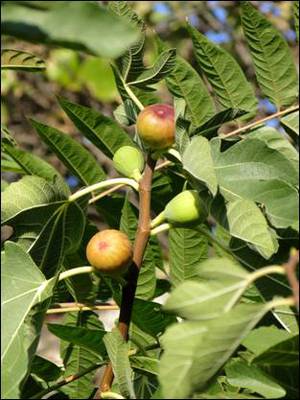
(291, 123)
(21, 61)
(102, 131)
(223, 73)
(23, 287)
(28, 192)
(188, 248)
(34, 165)
(76, 158)
(194, 351)
(144, 363)
(250, 169)
(247, 222)
(104, 33)
(160, 69)
(274, 66)
(197, 161)
(118, 350)
(240, 374)
(275, 140)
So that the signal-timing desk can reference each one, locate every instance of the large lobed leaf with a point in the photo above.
(24, 286)
(194, 351)
(274, 66)
(81, 25)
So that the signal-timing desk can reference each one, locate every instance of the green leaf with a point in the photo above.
(77, 358)
(250, 169)
(247, 222)
(102, 131)
(194, 351)
(284, 353)
(217, 285)
(223, 73)
(81, 336)
(146, 364)
(187, 249)
(118, 350)
(197, 161)
(45, 369)
(160, 69)
(61, 234)
(126, 113)
(275, 140)
(274, 66)
(240, 374)
(146, 281)
(210, 128)
(76, 158)
(296, 17)
(34, 165)
(290, 123)
(21, 61)
(184, 82)
(105, 34)
(23, 287)
(149, 317)
(28, 192)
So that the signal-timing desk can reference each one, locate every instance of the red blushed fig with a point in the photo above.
(156, 126)
(110, 251)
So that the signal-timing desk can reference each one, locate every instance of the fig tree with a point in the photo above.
(183, 209)
(110, 251)
(129, 161)
(156, 127)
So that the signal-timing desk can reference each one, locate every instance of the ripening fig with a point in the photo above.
(129, 161)
(156, 126)
(183, 209)
(110, 251)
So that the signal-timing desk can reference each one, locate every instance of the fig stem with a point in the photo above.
(160, 228)
(158, 220)
(102, 185)
(133, 96)
(75, 271)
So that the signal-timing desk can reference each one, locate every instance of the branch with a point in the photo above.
(141, 240)
(60, 310)
(290, 270)
(67, 380)
(260, 121)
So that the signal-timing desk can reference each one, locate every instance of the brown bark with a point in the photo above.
(141, 240)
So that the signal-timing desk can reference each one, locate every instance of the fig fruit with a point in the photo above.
(156, 126)
(183, 209)
(110, 251)
(129, 161)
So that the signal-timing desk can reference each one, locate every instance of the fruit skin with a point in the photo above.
(156, 126)
(183, 209)
(129, 161)
(110, 251)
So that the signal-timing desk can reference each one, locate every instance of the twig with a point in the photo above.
(81, 308)
(67, 380)
(290, 270)
(260, 121)
(141, 240)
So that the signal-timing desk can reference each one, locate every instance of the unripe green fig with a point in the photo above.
(156, 126)
(110, 251)
(183, 209)
(129, 161)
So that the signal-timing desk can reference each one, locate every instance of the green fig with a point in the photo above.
(129, 161)
(183, 209)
